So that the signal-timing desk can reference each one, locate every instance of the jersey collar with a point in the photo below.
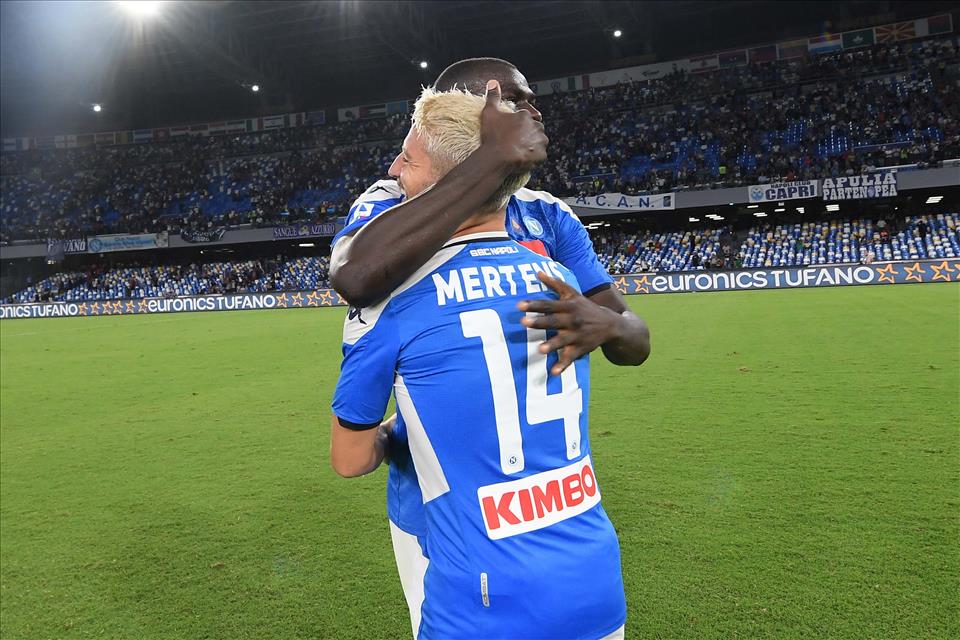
(483, 236)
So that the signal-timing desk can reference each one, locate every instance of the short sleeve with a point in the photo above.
(575, 252)
(370, 351)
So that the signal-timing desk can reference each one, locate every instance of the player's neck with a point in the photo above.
(487, 223)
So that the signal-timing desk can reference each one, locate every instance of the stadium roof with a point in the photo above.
(196, 61)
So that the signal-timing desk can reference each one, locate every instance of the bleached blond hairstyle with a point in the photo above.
(448, 123)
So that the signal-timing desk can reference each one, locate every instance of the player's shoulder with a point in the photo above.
(381, 190)
(543, 202)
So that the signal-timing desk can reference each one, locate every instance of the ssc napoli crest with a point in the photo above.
(756, 193)
(533, 226)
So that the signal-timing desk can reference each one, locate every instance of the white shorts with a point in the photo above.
(412, 566)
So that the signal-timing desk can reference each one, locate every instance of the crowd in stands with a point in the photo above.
(155, 281)
(809, 117)
(766, 245)
(781, 245)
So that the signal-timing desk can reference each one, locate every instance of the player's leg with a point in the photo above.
(616, 635)
(412, 565)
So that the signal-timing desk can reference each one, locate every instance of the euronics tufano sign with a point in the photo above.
(947, 270)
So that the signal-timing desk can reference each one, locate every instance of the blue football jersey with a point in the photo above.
(535, 219)
(519, 544)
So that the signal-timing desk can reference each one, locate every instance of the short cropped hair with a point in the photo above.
(471, 74)
(448, 123)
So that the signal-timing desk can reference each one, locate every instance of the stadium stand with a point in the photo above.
(890, 104)
(782, 245)
(770, 245)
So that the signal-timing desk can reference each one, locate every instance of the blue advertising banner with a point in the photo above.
(121, 242)
(792, 277)
(304, 231)
(638, 283)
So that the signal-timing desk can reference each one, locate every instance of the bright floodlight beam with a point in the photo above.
(617, 33)
(255, 88)
(423, 64)
(97, 108)
(141, 8)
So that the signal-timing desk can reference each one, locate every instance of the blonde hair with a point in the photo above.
(448, 123)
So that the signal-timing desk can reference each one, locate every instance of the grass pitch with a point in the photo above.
(784, 466)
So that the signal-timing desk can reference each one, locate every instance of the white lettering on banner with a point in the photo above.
(622, 202)
(875, 185)
(783, 191)
(538, 501)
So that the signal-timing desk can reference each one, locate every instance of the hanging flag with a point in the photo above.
(273, 122)
(10, 144)
(896, 32)
(143, 135)
(732, 58)
(939, 24)
(235, 126)
(122, 137)
(179, 131)
(105, 138)
(161, 135)
(398, 106)
(373, 111)
(825, 44)
(857, 39)
(764, 54)
(317, 117)
(792, 49)
(200, 129)
(85, 140)
(253, 124)
(216, 128)
(702, 64)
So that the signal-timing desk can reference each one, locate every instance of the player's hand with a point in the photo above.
(385, 436)
(513, 136)
(581, 325)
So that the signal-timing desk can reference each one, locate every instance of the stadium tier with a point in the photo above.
(776, 245)
(807, 117)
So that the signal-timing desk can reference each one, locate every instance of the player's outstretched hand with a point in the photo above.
(581, 325)
(513, 136)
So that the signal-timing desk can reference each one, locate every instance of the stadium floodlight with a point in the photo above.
(779, 210)
(97, 108)
(934, 199)
(760, 214)
(694, 219)
(753, 206)
(141, 8)
(799, 209)
(306, 244)
(833, 207)
(255, 88)
(617, 33)
(424, 64)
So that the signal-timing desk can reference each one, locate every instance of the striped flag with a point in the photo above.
(732, 58)
(896, 32)
(253, 124)
(857, 39)
(143, 135)
(825, 44)
(373, 111)
(216, 128)
(933, 26)
(763, 54)
(106, 138)
(702, 64)
(200, 129)
(179, 131)
(235, 126)
(274, 122)
(792, 49)
(10, 144)
(45, 142)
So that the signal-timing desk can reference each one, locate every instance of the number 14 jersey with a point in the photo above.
(518, 542)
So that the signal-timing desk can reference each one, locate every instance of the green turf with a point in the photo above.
(784, 466)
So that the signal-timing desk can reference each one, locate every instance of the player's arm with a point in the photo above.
(367, 266)
(358, 434)
(582, 324)
(599, 318)
(356, 452)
